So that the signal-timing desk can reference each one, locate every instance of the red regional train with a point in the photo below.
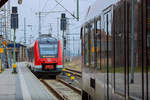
(45, 55)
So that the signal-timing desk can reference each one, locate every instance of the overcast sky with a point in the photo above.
(29, 8)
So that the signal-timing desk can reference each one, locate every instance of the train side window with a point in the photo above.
(92, 48)
(98, 43)
(82, 40)
(86, 47)
(119, 53)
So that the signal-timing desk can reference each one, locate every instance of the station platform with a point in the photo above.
(22, 86)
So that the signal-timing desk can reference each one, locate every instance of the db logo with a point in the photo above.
(49, 60)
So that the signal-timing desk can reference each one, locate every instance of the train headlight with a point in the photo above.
(59, 66)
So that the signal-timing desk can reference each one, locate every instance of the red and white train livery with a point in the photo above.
(45, 55)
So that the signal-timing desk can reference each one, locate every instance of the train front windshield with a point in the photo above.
(48, 50)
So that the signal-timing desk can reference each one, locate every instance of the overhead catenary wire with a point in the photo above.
(65, 9)
(45, 5)
(56, 5)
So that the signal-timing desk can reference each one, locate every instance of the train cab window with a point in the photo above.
(98, 44)
(49, 50)
(86, 46)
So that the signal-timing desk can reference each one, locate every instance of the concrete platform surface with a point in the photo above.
(31, 87)
(22, 86)
(7, 85)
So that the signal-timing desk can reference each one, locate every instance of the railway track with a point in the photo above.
(74, 72)
(62, 90)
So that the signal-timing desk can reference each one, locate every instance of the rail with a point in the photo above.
(74, 72)
(54, 91)
(61, 88)
(70, 86)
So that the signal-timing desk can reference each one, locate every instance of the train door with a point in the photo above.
(107, 35)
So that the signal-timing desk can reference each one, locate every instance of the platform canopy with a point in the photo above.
(2, 2)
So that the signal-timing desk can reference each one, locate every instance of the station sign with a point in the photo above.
(12, 45)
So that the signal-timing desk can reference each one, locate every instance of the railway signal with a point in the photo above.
(63, 22)
(63, 28)
(14, 26)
